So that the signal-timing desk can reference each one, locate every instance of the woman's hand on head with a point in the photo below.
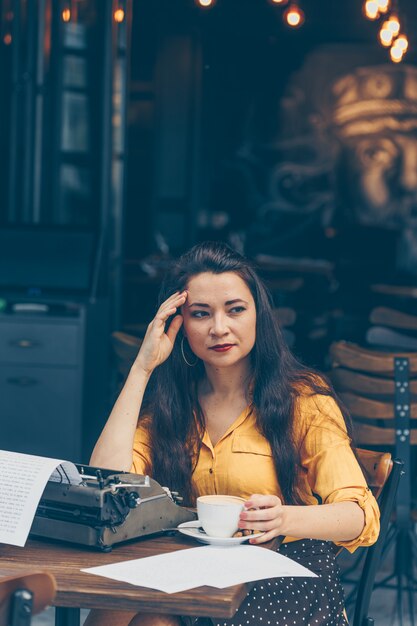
(158, 342)
(263, 513)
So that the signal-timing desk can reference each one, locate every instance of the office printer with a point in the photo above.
(106, 508)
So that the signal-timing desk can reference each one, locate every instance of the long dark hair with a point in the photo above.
(177, 421)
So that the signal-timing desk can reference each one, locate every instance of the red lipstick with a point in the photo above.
(222, 347)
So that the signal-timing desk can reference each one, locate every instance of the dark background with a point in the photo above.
(148, 135)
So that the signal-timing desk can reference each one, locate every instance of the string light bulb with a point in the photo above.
(396, 54)
(399, 48)
(386, 34)
(384, 6)
(371, 9)
(385, 37)
(119, 15)
(280, 2)
(402, 43)
(294, 16)
(206, 4)
(66, 14)
(392, 24)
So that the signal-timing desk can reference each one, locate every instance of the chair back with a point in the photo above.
(378, 363)
(376, 467)
(23, 595)
(392, 329)
(285, 315)
(387, 472)
(126, 348)
(366, 383)
(385, 316)
(388, 338)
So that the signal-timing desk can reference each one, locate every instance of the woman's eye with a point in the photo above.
(199, 314)
(237, 309)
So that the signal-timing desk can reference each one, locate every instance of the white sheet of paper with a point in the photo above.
(170, 572)
(209, 565)
(67, 473)
(23, 478)
(250, 563)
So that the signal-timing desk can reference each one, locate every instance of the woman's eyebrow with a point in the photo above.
(200, 304)
(207, 306)
(234, 301)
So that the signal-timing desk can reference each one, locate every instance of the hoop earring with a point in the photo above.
(184, 357)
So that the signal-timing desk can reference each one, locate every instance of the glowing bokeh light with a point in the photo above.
(371, 9)
(401, 42)
(294, 16)
(396, 54)
(119, 15)
(392, 24)
(384, 5)
(386, 37)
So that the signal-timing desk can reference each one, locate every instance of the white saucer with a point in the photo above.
(190, 529)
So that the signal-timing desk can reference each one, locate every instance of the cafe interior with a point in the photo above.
(133, 129)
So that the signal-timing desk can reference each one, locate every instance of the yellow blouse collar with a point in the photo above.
(247, 411)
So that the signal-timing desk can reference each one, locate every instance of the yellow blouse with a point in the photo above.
(241, 462)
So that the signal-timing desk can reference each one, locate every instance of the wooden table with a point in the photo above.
(76, 589)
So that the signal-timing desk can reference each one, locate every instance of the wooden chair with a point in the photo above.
(379, 388)
(366, 382)
(295, 265)
(386, 316)
(376, 467)
(125, 349)
(24, 595)
(138, 330)
(399, 292)
(286, 317)
(306, 286)
(383, 475)
(392, 329)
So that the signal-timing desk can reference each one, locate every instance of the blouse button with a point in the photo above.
(211, 470)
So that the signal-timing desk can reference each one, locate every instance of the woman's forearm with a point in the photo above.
(114, 447)
(339, 521)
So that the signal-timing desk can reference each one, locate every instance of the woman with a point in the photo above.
(229, 410)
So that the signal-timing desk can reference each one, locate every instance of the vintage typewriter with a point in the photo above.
(105, 508)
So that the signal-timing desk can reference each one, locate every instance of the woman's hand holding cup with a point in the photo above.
(263, 514)
(158, 343)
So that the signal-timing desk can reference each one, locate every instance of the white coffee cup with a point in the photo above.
(219, 515)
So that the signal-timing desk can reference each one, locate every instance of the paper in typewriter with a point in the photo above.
(23, 478)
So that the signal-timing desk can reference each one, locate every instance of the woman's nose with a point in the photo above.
(219, 326)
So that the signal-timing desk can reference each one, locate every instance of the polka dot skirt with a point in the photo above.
(293, 601)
